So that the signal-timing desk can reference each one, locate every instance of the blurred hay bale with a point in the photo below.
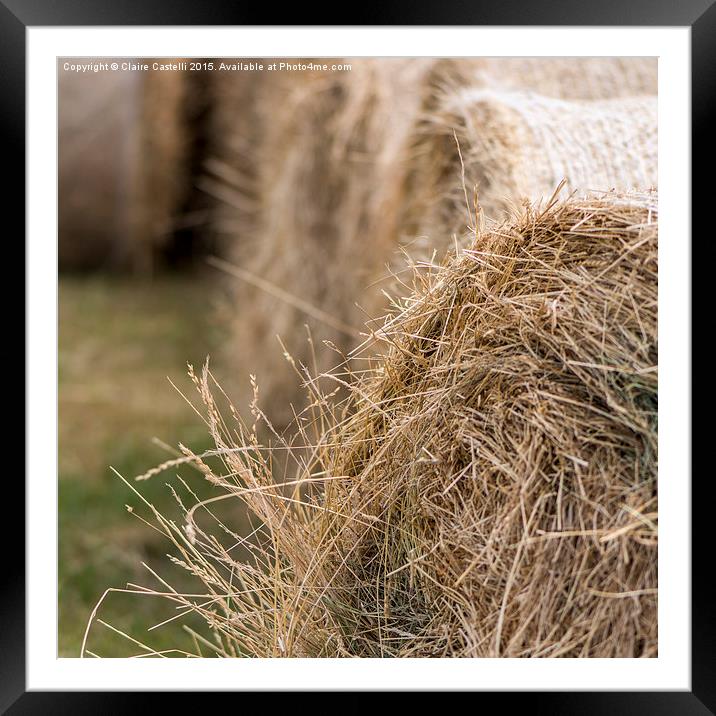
(329, 152)
(490, 487)
(96, 128)
(512, 115)
(123, 174)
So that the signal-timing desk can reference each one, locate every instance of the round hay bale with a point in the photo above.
(467, 92)
(490, 488)
(96, 126)
(518, 146)
(569, 78)
(123, 170)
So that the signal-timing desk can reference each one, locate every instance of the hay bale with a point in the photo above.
(96, 120)
(123, 176)
(336, 172)
(490, 488)
(518, 146)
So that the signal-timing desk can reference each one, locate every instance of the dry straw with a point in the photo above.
(488, 488)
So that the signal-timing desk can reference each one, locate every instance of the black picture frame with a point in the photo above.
(700, 15)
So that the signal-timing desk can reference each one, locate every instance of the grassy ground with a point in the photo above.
(118, 341)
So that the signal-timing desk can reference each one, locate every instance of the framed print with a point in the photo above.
(343, 349)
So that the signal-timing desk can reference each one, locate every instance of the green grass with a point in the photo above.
(118, 341)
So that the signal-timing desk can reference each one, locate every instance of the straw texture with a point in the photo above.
(489, 487)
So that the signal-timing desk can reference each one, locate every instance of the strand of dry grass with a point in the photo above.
(489, 487)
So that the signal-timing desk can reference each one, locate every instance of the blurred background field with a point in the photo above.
(120, 339)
